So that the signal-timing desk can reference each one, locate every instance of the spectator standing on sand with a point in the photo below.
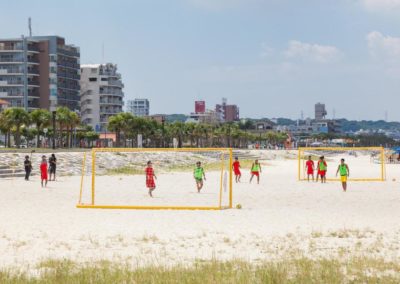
(28, 167)
(43, 171)
(150, 176)
(53, 166)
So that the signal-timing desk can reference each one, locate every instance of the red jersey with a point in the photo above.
(43, 171)
(310, 167)
(236, 167)
(150, 177)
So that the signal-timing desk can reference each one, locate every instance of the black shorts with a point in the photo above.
(52, 170)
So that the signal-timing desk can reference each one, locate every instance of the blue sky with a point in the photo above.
(274, 58)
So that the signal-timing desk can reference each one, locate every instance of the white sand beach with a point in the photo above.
(280, 217)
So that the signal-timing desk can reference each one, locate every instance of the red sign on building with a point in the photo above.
(199, 106)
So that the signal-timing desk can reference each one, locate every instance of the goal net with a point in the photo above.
(118, 178)
(365, 163)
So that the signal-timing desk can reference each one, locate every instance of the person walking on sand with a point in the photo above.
(43, 171)
(255, 171)
(28, 167)
(53, 166)
(199, 175)
(310, 168)
(344, 171)
(322, 169)
(150, 176)
(236, 169)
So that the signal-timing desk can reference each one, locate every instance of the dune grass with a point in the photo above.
(303, 270)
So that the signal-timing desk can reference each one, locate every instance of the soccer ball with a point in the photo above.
(238, 206)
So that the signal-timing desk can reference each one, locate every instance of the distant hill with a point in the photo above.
(176, 117)
(353, 125)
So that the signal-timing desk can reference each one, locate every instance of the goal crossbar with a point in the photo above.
(381, 150)
(93, 205)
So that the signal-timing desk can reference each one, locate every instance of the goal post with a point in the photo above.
(114, 178)
(365, 163)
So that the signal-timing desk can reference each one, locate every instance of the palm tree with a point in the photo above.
(18, 117)
(73, 121)
(116, 124)
(62, 118)
(5, 128)
(41, 118)
(178, 130)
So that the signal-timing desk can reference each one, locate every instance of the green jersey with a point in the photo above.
(198, 173)
(255, 168)
(343, 170)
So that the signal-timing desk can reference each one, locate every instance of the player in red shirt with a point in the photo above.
(236, 169)
(150, 176)
(43, 171)
(310, 168)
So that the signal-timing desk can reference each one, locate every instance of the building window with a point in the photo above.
(92, 79)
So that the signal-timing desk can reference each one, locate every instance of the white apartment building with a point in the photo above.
(139, 107)
(101, 94)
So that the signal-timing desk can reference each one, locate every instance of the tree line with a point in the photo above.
(17, 122)
(157, 134)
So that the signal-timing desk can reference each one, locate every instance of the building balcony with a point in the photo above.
(13, 60)
(111, 101)
(18, 47)
(68, 51)
(68, 65)
(116, 93)
(112, 83)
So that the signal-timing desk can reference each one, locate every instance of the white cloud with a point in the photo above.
(217, 5)
(266, 51)
(374, 5)
(383, 47)
(311, 52)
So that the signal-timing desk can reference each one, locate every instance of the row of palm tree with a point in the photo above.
(156, 134)
(16, 121)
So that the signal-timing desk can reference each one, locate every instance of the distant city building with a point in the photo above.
(310, 126)
(39, 72)
(101, 94)
(227, 112)
(208, 116)
(320, 111)
(199, 106)
(3, 105)
(139, 107)
(160, 118)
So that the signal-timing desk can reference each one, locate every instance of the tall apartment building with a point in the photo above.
(101, 94)
(39, 72)
(320, 111)
(227, 112)
(139, 107)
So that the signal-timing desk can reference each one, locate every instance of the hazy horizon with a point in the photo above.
(273, 58)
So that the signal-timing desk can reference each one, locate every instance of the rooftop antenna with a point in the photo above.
(30, 26)
(102, 53)
(302, 115)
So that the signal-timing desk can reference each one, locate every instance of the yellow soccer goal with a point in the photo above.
(365, 163)
(122, 178)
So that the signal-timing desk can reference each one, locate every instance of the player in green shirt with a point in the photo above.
(255, 171)
(344, 171)
(199, 175)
